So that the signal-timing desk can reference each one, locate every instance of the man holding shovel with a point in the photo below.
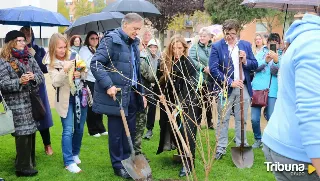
(224, 67)
(116, 65)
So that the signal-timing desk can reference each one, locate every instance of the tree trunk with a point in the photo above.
(161, 37)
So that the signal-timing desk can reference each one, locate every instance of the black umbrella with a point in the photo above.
(98, 22)
(142, 7)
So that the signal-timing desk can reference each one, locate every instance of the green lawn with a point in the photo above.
(96, 162)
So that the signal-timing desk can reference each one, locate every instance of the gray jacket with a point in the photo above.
(17, 96)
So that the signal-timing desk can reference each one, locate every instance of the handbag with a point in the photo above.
(260, 97)
(38, 109)
(6, 119)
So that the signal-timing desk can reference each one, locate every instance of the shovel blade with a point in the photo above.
(137, 167)
(242, 157)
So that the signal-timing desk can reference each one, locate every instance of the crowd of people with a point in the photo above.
(98, 76)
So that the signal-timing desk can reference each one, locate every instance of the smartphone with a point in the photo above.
(72, 56)
(273, 47)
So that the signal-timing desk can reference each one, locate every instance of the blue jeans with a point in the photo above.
(72, 133)
(256, 114)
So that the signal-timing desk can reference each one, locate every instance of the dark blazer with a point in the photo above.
(221, 67)
(111, 66)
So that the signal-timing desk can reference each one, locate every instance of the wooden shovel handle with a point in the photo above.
(241, 103)
(114, 97)
(125, 123)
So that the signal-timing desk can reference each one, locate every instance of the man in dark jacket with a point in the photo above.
(224, 62)
(116, 65)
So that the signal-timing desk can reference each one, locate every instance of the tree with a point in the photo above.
(275, 18)
(198, 17)
(170, 8)
(178, 23)
(99, 5)
(221, 10)
(83, 8)
(62, 9)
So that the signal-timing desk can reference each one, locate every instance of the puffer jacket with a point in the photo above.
(199, 53)
(149, 66)
(111, 66)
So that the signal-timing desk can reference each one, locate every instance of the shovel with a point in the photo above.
(242, 156)
(136, 165)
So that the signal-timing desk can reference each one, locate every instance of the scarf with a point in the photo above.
(92, 49)
(75, 48)
(21, 55)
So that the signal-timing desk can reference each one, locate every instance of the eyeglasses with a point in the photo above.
(22, 41)
(231, 34)
(94, 38)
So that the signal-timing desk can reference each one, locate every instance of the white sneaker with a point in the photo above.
(76, 159)
(96, 135)
(73, 168)
(105, 133)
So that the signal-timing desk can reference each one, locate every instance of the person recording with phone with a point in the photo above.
(266, 78)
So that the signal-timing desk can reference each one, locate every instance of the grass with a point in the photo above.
(96, 163)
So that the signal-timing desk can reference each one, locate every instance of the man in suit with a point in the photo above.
(116, 64)
(225, 58)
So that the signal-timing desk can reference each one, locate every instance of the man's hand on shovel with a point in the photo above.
(112, 91)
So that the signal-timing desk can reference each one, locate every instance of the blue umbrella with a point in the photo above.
(31, 16)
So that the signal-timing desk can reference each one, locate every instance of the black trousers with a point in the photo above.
(94, 120)
(45, 134)
(119, 148)
(25, 148)
(151, 115)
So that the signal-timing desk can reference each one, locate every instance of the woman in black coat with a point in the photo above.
(180, 95)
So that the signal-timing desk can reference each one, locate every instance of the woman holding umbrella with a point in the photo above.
(20, 74)
(38, 53)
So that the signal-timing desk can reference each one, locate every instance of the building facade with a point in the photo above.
(46, 32)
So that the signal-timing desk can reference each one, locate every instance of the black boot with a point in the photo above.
(122, 173)
(26, 173)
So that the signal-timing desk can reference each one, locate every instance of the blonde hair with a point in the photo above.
(166, 62)
(53, 45)
(6, 50)
(254, 46)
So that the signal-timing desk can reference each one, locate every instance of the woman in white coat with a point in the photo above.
(94, 120)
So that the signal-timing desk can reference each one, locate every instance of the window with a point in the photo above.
(71, 17)
(188, 23)
(1, 42)
(68, 2)
(261, 27)
(43, 43)
(187, 34)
